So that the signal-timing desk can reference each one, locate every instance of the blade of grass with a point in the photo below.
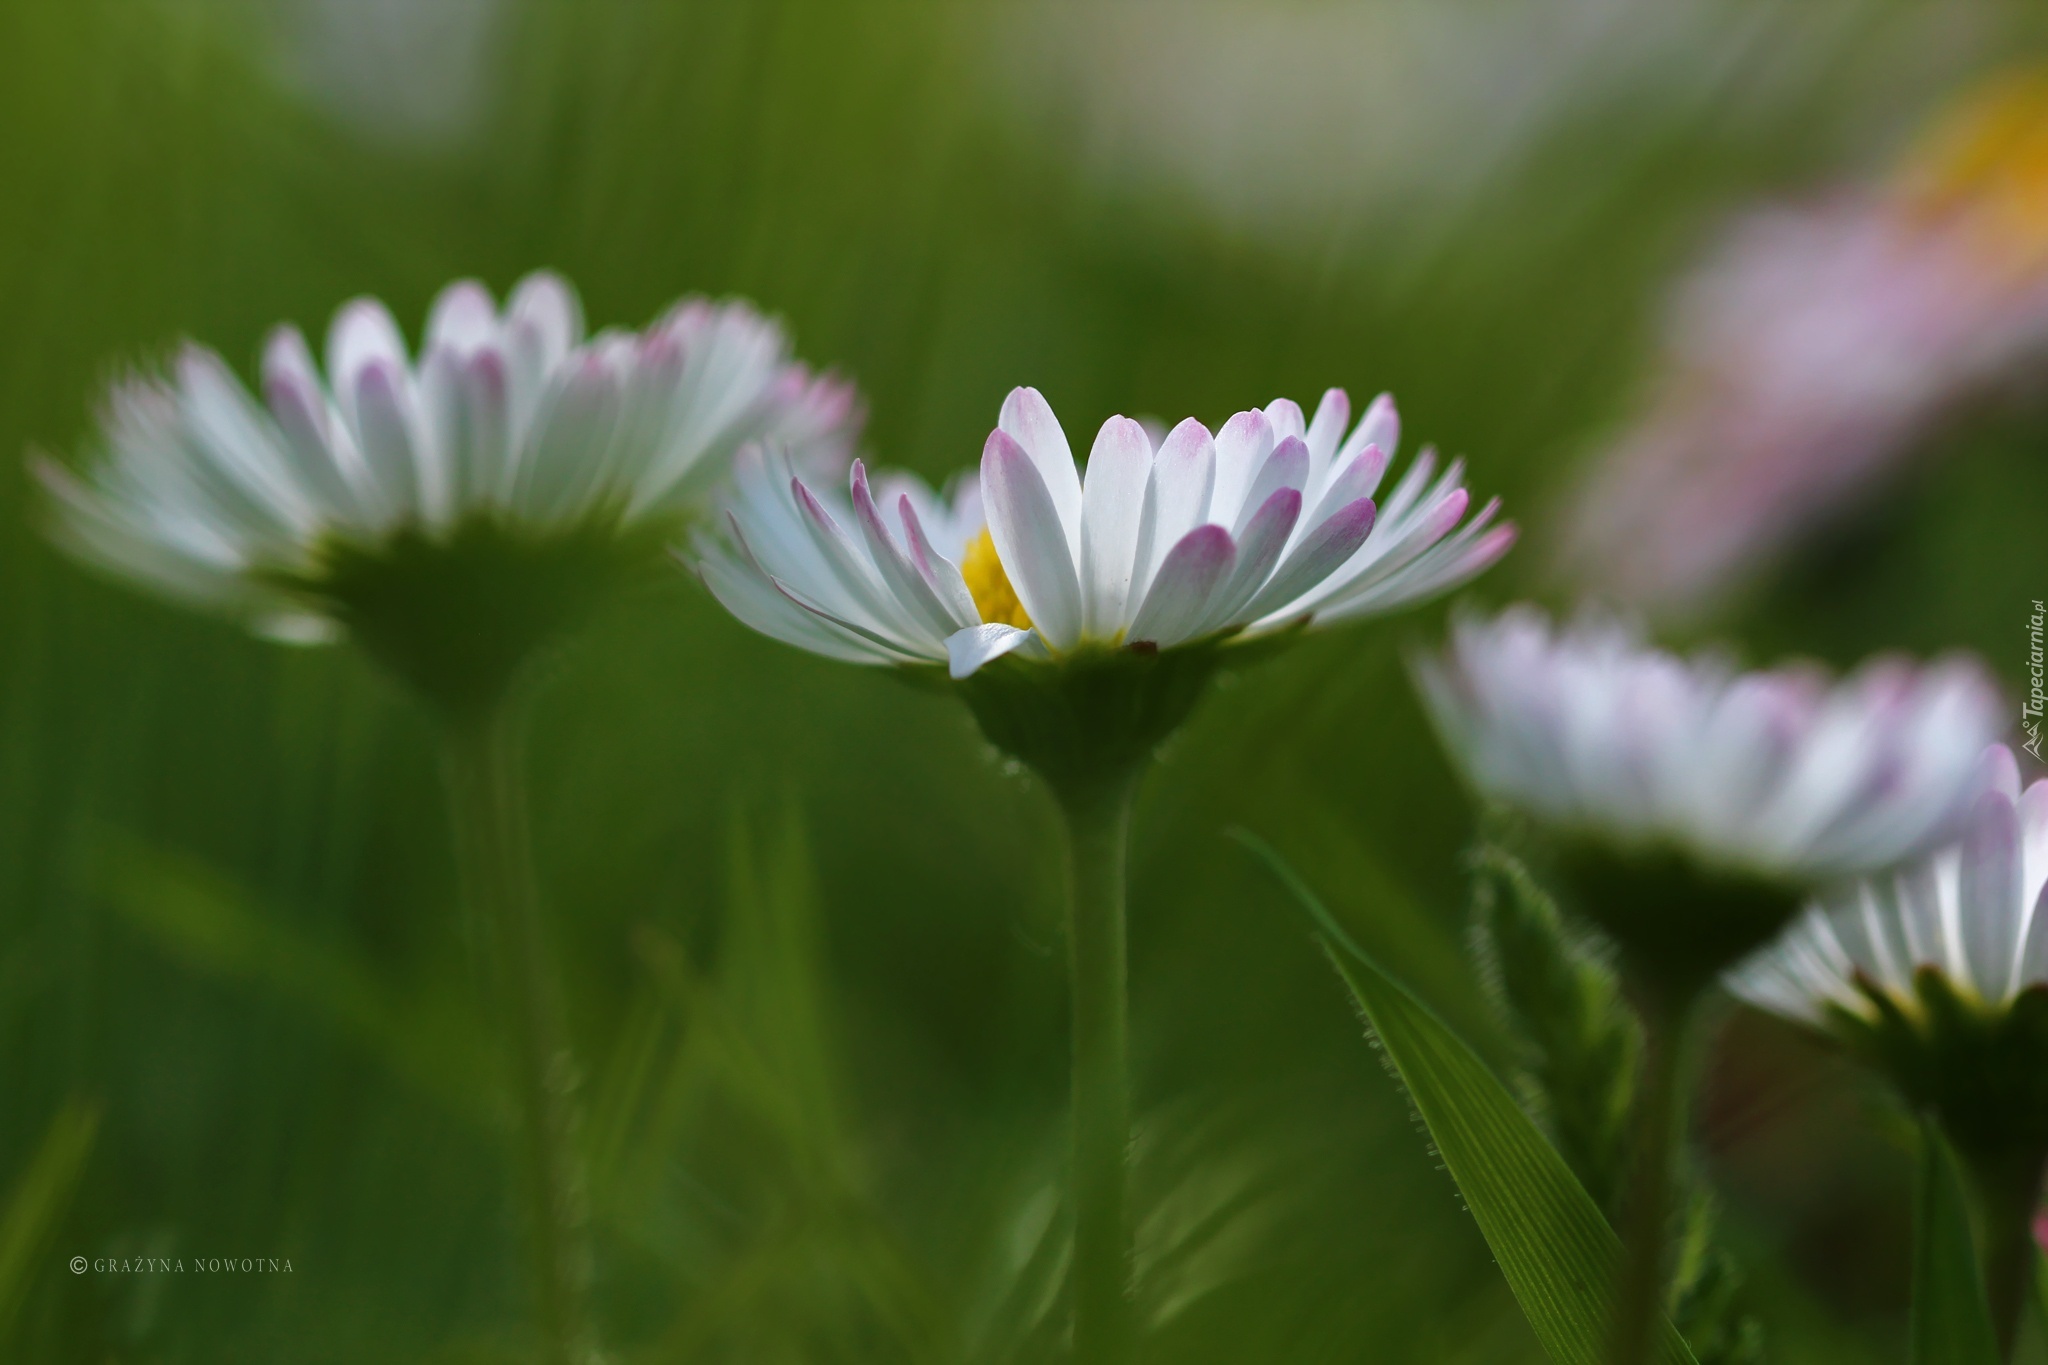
(37, 1203)
(1546, 1233)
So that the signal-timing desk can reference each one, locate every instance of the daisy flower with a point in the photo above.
(1778, 775)
(1268, 523)
(1971, 913)
(480, 493)
(1937, 974)
(452, 514)
(1080, 616)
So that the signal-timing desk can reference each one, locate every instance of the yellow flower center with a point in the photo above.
(990, 586)
(1985, 165)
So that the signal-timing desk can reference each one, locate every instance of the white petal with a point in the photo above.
(859, 581)
(463, 318)
(1284, 416)
(1241, 450)
(570, 435)
(1989, 894)
(1355, 479)
(1029, 421)
(1325, 430)
(327, 458)
(385, 422)
(1176, 499)
(1030, 541)
(967, 650)
(1112, 503)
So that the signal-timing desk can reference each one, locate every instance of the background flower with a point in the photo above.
(1818, 346)
(1972, 912)
(513, 417)
(1778, 774)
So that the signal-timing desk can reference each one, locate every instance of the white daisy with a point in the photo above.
(1268, 523)
(1972, 912)
(1776, 775)
(512, 419)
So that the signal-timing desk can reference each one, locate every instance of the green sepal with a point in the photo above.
(1098, 713)
(1982, 1069)
(1093, 716)
(458, 615)
(1678, 923)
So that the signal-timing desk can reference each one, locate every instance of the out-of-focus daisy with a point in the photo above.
(1080, 617)
(452, 515)
(1971, 915)
(478, 496)
(1268, 523)
(1817, 347)
(1774, 775)
(1937, 973)
(1695, 806)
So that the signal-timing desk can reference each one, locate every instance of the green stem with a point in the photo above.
(487, 796)
(2008, 1190)
(1098, 832)
(1646, 1212)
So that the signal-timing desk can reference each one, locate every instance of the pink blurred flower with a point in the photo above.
(1818, 347)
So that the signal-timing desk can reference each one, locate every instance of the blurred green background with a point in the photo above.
(808, 924)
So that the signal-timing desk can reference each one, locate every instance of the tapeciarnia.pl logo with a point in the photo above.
(2030, 709)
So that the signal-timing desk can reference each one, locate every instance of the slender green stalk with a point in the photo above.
(487, 796)
(1098, 835)
(1646, 1211)
(2008, 1190)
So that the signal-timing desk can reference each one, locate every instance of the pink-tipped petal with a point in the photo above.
(1286, 467)
(1177, 498)
(898, 572)
(1354, 480)
(1258, 550)
(363, 334)
(1241, 450)
(546, 307)
(856, 578)
(941, 574)
(1321, 552)
(463, 318)
(1175, 605)
(1284, 416)
(1999, 771)
(1381, 426)
(1326, 428)
(1028, 420)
